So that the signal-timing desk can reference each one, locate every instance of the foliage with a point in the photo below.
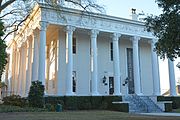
(83, 102)
(175, 100)
(15, 100)
(168, 107)
(36, 95)
(3, 54)
(166, 27)
(18, 11)
(2, 84)
(10, 108)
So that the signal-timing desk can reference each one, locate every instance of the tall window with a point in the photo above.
(111, 51)
(74, 81)
(74, 45)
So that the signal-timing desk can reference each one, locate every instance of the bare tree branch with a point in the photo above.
(17, 27)
(6, 4)
(11, 12)
(0, 2)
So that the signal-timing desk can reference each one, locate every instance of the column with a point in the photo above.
(61, 56)
(18, 61)
(20, 73)
(137, 82)
(94, 69)
(42, 52)
(28, 71)
(117, 81)
(155, 70)
(172, 80)
(22, 70)
(69, 60)
(35, 51)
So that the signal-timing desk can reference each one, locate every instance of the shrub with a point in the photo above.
(175, 100)
(10, 108)
(70, 102)
(83, 102)
(15, 100)
(168, 107)
(36, 95)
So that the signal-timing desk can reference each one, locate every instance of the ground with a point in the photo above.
(80, 115)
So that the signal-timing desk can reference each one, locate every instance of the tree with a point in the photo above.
(36, 95)
(14, 12)
(166, 27)
(3, 54)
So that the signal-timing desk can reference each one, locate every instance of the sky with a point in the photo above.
(122, 8)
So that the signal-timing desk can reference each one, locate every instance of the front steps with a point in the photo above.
(141, 104)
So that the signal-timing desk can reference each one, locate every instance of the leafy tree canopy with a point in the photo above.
(166, 27)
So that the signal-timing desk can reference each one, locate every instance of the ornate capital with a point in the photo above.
(69, 28)
(135, 39)
(116, 36)
(43, 25)
(94, 33)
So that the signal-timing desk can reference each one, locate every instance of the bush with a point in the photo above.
(36, 95)
(10, 108)
(168, 107)
(122, 107)
(70, 103)
(82, 102)
(15, 100)
(175, 100)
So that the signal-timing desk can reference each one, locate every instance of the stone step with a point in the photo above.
(139, 104)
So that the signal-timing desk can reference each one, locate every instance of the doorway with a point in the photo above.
(130, 70)
(111, 85)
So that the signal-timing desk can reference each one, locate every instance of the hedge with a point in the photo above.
(175, 100)
(86, 102)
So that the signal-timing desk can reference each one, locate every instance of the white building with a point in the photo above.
(78, 53)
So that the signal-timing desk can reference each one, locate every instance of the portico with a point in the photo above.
(71, 57)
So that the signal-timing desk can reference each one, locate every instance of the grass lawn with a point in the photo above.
(79, 115)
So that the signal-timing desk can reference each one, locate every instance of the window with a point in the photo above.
(74, 45)
(111, 51)
(74, 81)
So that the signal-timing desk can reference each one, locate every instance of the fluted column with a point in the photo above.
(22, 70)
(155, 70)
(28, 71)
(172, 80)
(69, 60)
(42, 52)
(94, 68)
(117, 85)
(35, 56)
(18, 64)
(137, 82)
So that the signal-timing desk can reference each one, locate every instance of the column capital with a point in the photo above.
(94, 33)
(43, 25)
(135, 39)
(69, 28)
(116, 36)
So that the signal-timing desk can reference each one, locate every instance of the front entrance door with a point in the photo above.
(111, 85)
(130, 71)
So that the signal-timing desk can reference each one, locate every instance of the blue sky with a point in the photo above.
(122, 8)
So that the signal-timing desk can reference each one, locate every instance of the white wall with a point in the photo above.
(81, 64)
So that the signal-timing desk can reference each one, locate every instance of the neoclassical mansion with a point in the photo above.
(75, 53)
